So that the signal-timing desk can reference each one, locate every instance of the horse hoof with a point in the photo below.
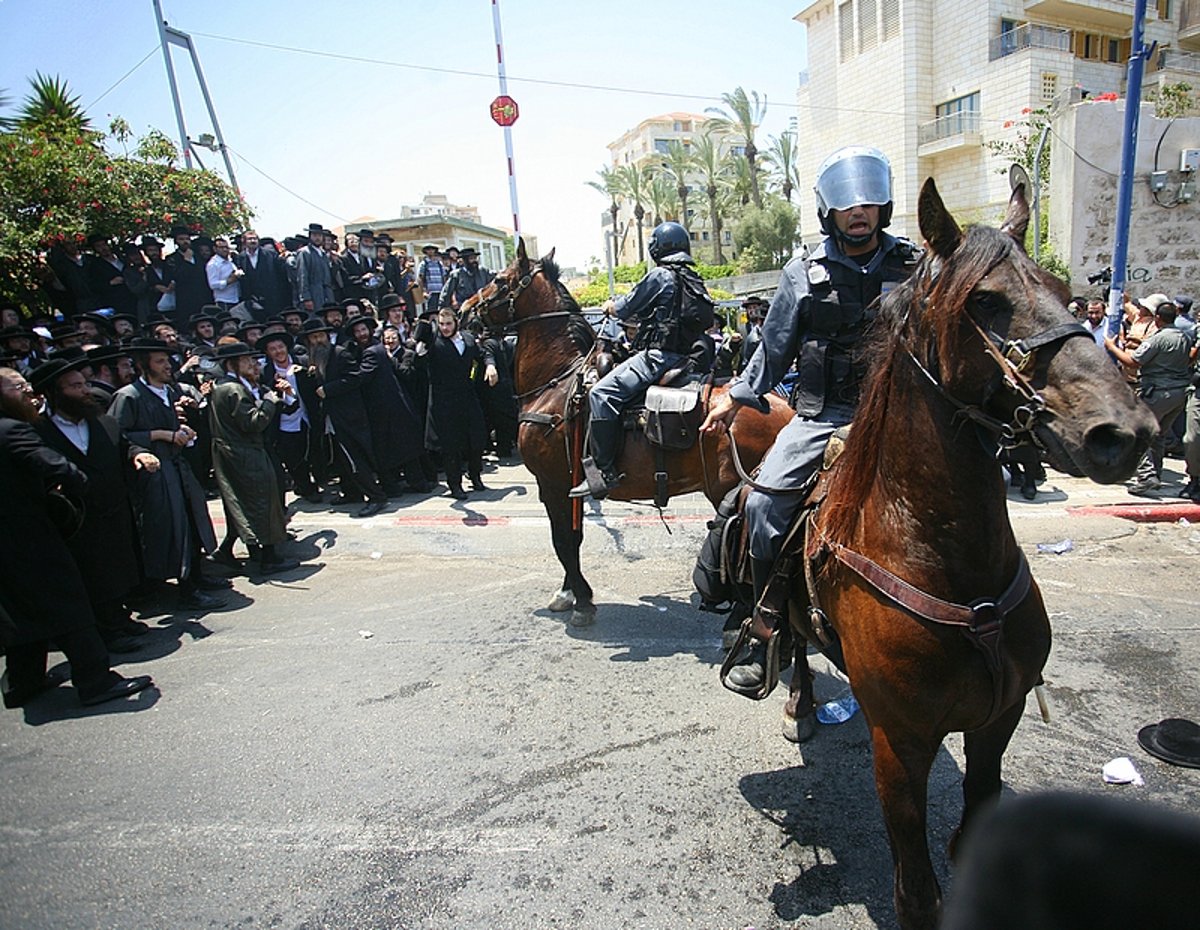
(581, 618)
(799, 729)
(563, 600)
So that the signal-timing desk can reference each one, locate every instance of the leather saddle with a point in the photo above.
(670, 413)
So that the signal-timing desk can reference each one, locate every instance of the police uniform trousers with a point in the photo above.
(1165, 404)
(1191, 434)
(612, 393)
(796, 454)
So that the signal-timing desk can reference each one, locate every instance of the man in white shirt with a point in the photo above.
(1095, 320)
(224, 276)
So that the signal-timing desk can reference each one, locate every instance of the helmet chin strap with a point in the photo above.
(854, 240)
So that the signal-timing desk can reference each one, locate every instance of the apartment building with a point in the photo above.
(930, 82)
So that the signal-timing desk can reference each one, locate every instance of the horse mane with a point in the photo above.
(578, 328)
(925, 309)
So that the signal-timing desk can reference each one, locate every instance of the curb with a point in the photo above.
(1149, 512)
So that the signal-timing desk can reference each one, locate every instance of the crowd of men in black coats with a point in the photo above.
(118, 427)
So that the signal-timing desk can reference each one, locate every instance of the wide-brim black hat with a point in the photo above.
(325, 309)
(180, 231)
(1174, 740)
(316, 326)
(389, 301)
(99, 319)
(233, 350)
(16, 332)
(266, 338)
(106, 354)
(316, 228)
(199, 318)
(366, 234)
(348, 327)
(430, 247)
(129, 317)
(50, 371)
(148, 344)
(293, 311)
(466, 253)
(65, 331)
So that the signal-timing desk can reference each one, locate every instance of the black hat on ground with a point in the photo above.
(266, 338)
(232, 350)
(1174, 740)
(316, 326)
(51, 370)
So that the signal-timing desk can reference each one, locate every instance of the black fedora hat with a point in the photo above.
(100, 319)
(102, 355)
(16, 332)
(232, 350)
(199, 318)
(331, 307)
(468, 252)
(1174, 740)
(315, 326)
(266, 338)
(366, 234)
(246, 327)
(50, 371)
(292, 311)
(148, 344)
(389, 301)
(430, 248)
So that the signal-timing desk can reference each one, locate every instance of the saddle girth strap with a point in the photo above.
(981, 621)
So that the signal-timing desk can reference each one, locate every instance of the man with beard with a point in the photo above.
(173, 517)
(265, 276)
(77, 427)
(42, 596)
(241, 414)
(112, 368)
(186, 268)
(465, 280)
(346, 422)
(105, 273)
(292, 433)
(314, 275)
(396, 440)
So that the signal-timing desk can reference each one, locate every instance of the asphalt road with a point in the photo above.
(400, 735)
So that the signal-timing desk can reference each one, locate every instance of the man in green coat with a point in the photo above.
(241, 411)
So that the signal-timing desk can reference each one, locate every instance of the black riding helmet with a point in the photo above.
(667, 239)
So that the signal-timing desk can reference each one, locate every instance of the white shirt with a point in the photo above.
(290, 422)
(79, 433)
(219, 271)
(162, 392)
(459, 343)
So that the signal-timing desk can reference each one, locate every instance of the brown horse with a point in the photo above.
(554, 343)
(910, 554)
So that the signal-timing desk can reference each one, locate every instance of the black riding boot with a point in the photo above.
(604, 440)
(749, 672)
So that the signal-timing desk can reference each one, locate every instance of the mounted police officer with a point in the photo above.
(823, 306)
(663, 340)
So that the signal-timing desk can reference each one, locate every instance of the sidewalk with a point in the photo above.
(1082, 497)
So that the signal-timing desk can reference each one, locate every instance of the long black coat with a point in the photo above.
(244, 470)
(41, 591)
(165, 498)
(343, 401)
(396, 435)
(191, 287)
(455, 423)
(106, 546)
(266, 282)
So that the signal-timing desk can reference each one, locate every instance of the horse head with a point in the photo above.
(1040, 376)
(520, 291)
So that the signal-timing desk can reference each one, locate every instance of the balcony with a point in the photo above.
(1189, 24)
(1114, 16)
(1031, 35)
(956, 130)
(1172, 59)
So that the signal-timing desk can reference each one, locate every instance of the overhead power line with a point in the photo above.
(242, 158)
(122, 78)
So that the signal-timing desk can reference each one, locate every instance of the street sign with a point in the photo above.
(504, 110)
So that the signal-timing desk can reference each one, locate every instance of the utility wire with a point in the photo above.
(122, 78)
(242, 158)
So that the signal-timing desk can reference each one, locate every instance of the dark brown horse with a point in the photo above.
(554, 342)
(911, 554)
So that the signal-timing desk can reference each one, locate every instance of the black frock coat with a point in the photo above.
(455, 424)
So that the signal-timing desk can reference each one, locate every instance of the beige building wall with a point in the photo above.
(1164, 241)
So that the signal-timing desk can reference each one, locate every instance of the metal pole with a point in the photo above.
(508, 146)
(186, 39)
(166, 50)
(1037, 192)
(609, 237)
(1133, 103)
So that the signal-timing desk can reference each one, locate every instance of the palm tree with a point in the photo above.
(50, 107)
(714, 176)
(739, 179)
(783, 158)
(610, 187)
(634, 182)
(677, 165)
(664, 202)
(742, 117)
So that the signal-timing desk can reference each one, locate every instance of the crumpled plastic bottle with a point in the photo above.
(839, 710)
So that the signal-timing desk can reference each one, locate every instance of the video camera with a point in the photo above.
(1103, 276)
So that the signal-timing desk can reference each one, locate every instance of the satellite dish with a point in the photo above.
(1018, 176)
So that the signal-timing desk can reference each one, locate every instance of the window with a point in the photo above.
(661, 146)
(1164, 9)
(738, 150)
(846, 30)
(868, 25)
(704, 235)
(965, 104)
(957, 116)
(677, 126)
(1049, 85)
(891, 18)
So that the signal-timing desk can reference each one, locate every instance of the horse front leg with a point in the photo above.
(902, 764)
(799, 713)
(984, 749)
(575, 594)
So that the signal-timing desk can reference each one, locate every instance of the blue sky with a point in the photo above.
(363, 137)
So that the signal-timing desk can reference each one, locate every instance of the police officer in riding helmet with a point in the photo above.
(660, 344)
(822, 308)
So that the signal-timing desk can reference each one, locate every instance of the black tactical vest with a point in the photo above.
(844, 301)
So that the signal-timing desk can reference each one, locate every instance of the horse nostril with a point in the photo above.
(1110, 445)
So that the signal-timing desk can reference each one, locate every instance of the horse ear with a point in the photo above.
(550, 256)
(1016, 220)
(522, 256)
(937, 225)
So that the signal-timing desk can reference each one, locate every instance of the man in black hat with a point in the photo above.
(346, 420)
(68, 264)
(357, 260)
(18, 342)
(104, 547)
(156, 279)
(242, 411)
(42, 595)
(172, 513)
(203, 327)
(465, 280)
(432, 275)
(105, 273)
(334, 316)
(250, 333)
(314, 278)
(291, 434)
(124, 326)
(264, 280)
(293, 319)
(112, 368)
(186, 268)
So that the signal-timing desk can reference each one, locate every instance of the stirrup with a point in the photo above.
(766, 625)
(596, 482)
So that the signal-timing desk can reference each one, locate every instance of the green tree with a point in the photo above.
(664, 202)
(634, 182)
(49, 108)
(766, 237)
(677, 167)
(713, 172)
(783, 157)
(609, 185)
(742, 116)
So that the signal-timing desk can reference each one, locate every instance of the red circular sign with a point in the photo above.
(504, 110)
